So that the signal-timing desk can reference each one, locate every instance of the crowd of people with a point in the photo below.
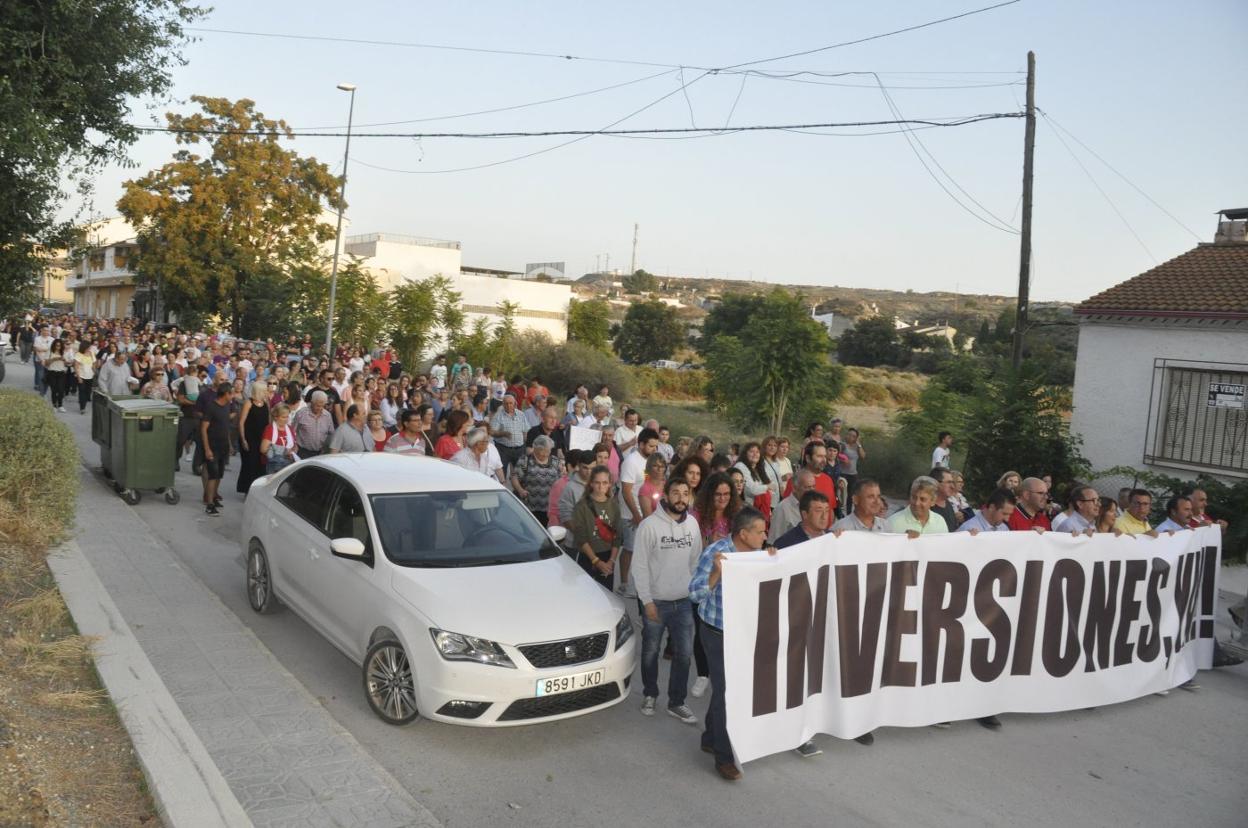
(645, 516)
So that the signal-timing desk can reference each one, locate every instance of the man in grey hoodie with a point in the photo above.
(665, 553)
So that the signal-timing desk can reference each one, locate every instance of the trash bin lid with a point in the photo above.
(143, 406)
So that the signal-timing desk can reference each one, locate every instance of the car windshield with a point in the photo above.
(437, 529)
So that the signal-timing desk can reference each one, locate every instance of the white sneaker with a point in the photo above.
(647, 705)
(628, 590)
(699, 687)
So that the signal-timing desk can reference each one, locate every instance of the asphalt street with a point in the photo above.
(1171, 760)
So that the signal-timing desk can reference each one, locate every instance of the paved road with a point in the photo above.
(1154, 761)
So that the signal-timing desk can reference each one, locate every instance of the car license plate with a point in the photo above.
(569, 684)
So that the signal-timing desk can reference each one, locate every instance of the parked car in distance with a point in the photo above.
(456, 603)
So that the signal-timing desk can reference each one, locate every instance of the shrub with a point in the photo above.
(565, 366)
(892, 462)
(666, 383)
(38, 471)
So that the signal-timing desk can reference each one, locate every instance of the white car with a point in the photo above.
(455, 601)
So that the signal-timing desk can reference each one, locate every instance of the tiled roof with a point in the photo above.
(1210, 281)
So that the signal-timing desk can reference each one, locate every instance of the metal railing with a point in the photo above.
(397, 238)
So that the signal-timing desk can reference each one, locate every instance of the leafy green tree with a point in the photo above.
(589, 322)
(984, 337)
(1004, 419)
(269, 304)
(728, 318)
(869, 343)
(361, 309)
(777, 370)
(640, 282)
(651, 330)
(210, 223)
(70, 73)
(419, 312)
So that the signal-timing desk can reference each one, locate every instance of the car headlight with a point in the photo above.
(623, 631)
(455, 647)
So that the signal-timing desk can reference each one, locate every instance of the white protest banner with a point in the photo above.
(583, 438)
(844, 635)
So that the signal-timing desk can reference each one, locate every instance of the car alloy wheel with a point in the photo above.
(389, 684)
(259, 583)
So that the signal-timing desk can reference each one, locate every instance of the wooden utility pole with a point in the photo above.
(1024, 253)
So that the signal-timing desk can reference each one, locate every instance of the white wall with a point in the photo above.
(1114, 375)
(543, 306)
(394, 262)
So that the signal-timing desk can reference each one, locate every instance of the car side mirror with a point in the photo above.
(558, 533)
(350, 548)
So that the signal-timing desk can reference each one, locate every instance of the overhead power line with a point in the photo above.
(873, 37)
(495, 110)
(1053, 122)
(994, 221)
(1100, 189)
(932, 122)
(588, 58)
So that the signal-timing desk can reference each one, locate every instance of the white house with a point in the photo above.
(1163, 364)
(396, 259)
(103, 280)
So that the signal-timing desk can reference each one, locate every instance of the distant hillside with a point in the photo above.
(962, 310)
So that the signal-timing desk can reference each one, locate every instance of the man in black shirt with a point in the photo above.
(214, 438)
(325, 382)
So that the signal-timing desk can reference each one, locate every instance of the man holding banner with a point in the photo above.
(748, 532)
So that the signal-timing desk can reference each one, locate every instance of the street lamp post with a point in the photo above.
(342, 194)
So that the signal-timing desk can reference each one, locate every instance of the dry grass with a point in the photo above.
(65, 759)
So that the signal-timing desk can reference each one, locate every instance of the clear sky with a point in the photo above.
(1153, 86)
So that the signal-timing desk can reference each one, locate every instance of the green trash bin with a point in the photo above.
(142, 437)
(101, 426)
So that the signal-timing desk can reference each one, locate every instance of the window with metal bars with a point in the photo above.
(1198, 418)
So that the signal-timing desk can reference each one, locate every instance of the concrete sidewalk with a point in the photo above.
(287, 761)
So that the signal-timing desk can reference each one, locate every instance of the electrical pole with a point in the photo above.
(608, 259)
(597, 262)
(1024, 253)
(632, 268)
(342, 195)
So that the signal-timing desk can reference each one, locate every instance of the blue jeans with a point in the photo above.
(676, 618)
(40, 385)
(716, 734)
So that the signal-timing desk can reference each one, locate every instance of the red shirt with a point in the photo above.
(1020, 522)
(823, 484)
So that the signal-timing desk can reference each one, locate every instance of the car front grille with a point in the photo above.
(567, 652)
(543, 706)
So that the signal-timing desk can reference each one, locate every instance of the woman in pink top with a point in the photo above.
(651, 491)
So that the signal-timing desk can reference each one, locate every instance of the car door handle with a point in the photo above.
(273, 522)
(312, 551)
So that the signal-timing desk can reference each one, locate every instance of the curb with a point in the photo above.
(186, 784)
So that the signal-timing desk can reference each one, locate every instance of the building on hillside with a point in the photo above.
(103, 280)
(396, 259)
(942, 331)
(835, 324)
(1162, 368)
